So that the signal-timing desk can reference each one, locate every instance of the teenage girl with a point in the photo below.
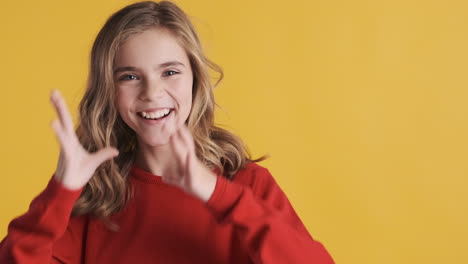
(147, 177)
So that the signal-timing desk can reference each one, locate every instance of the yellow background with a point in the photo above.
(362, 105)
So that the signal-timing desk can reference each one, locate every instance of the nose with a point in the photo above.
(152, 89)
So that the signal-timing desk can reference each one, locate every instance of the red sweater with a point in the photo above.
(248, 220)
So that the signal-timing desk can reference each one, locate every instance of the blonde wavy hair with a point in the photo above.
(100, 125)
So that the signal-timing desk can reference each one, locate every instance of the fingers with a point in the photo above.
(179, 149)
(186, 138)
(183, 146)
(104, 154)
(62, 111)
(183, 138)
(59, 133)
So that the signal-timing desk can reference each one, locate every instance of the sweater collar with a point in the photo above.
(144, 175)
(147, 176)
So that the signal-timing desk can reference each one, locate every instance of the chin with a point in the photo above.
(156, 141)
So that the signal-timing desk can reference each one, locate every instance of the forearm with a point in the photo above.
(269, 229)
(31, 236)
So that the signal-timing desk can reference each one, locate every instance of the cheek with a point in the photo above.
(123, 98)
(186, 103)
(120, 102)
(123, 105)
(183, 93)
(185, 100)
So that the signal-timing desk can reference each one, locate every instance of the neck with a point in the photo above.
(153, 159)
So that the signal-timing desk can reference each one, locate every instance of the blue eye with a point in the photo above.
(172, 73)
(128, 75)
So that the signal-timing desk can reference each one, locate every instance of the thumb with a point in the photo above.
(104, 154)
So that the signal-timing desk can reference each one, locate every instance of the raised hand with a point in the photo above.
(75, 165)
(188, 172)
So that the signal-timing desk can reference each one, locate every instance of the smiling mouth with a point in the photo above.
(152, 117)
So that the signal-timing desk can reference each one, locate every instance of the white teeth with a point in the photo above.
(156, 114)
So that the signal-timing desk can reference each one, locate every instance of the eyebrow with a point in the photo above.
(162, 65)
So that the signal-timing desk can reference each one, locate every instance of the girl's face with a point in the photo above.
(152, 75)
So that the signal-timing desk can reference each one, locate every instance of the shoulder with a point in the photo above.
(255, 176)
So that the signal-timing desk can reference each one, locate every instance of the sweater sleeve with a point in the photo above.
(265, 221)
(31, 236)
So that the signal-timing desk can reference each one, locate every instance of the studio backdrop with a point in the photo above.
(361, 104)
